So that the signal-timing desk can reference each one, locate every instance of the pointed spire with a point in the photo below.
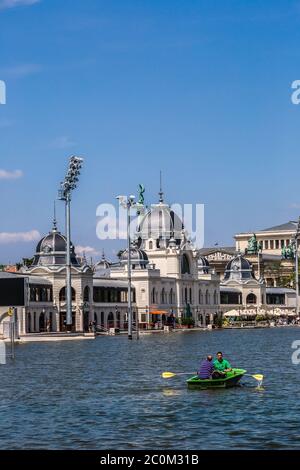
(54, 227)
(161, 194)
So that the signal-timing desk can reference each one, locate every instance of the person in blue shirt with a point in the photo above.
(206, 368)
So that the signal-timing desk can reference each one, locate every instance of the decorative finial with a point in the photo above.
(54, 228)
(161, 194)
(103, 255)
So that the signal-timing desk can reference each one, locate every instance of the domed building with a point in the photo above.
(49, 264)
(203, 265)
(167, 274)
(51, 250)
(138, 258)
(170, 281)
(102, 268)
(240, 287)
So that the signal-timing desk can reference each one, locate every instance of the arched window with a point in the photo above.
(207, 298)
(186, 295)
(42, 322)
(251, 299)
(185, 265)
(86, 294)
(49, 322)
(151, 245)
(163, 296)
(102, 318)
(153, 295)
(29, 326)
(191, 296)
(215, 297)
(62, 294)
(110, 320)
(200, 297)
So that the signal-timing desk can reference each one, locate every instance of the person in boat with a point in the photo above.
(206, 368)
(221, 366)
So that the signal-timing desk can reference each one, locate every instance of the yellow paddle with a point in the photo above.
(258, 377)
(169, 375)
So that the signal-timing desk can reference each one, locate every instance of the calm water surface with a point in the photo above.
(108, 394)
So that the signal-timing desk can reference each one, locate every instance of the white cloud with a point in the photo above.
(63, 142)
(15, 237)
(295, 205)
(4, 4)
(87, 250)
(10, 175)
(20, 70)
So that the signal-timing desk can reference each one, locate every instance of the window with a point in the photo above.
(266, 244)
(185, 265)
(282, 243)
(110, 320)
(271, 244)
(191, 296)
(215, 298)
(251, 299)
(207, 298)
(86, 294)
(277, 244)
(150, 245)
(62, 294)
(186, 295)
(153, 295)
(171, 296)
(200, 297)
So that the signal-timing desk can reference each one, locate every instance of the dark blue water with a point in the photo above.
(108, 394)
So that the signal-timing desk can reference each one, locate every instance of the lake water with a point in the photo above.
(108, 394)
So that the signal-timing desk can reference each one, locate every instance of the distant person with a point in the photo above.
(206, 368)
(221, 366)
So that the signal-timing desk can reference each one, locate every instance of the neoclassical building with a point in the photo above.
(169, 275)
(170, 281)
(241, 289)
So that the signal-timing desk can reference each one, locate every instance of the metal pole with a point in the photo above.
(68, 264)
(129, 272)
(297, 275)
(137, 323)
(12, 337)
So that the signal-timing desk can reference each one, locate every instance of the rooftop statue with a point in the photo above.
(254, 247)
(288, 252)
(141, 190)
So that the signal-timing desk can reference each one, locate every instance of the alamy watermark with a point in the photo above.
(179, 221)
(296, 353)
(2, 92)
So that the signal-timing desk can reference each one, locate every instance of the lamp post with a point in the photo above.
(67, 186)
(127, 202)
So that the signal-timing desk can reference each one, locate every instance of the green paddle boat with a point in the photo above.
(231, 380)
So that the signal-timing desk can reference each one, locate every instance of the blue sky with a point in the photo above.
(199, 89)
